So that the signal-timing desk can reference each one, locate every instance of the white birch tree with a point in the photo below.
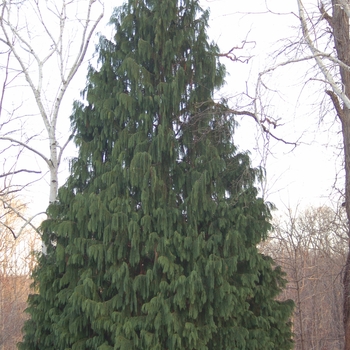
(43, 45)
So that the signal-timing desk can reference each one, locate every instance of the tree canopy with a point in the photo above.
(152, 243)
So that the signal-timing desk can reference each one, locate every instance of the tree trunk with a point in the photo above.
(340, 25)
(346, 310)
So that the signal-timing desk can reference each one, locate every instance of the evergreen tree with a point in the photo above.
(152, 243)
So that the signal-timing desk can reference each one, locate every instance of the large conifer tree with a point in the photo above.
(152, 241)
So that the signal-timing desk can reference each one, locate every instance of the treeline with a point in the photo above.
(16, 263)
(311, 247)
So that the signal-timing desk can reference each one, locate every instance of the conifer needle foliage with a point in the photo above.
(152, 243)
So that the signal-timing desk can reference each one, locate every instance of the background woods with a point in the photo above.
(311, 246)
(16, 262)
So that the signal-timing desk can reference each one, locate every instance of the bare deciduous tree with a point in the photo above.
(43, 44)
(323, 41)
(16, 263)
(331, 25)
(311, 247)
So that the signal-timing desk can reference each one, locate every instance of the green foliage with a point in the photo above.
(152, 242)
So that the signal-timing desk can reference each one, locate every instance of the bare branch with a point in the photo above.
(234, 58)
(5, 81)
(20, 171)
(15, 210)
(48, 161)
(29, 222)
(325, 15)
(10, 229)
(336, 103)
(263, 127)
(316, 54)
(64, 146)
(85, 41)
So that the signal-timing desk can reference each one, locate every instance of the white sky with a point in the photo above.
(303, 176)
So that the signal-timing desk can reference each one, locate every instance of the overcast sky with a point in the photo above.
(305, 175)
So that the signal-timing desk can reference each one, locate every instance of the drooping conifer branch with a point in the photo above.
(152, 243)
